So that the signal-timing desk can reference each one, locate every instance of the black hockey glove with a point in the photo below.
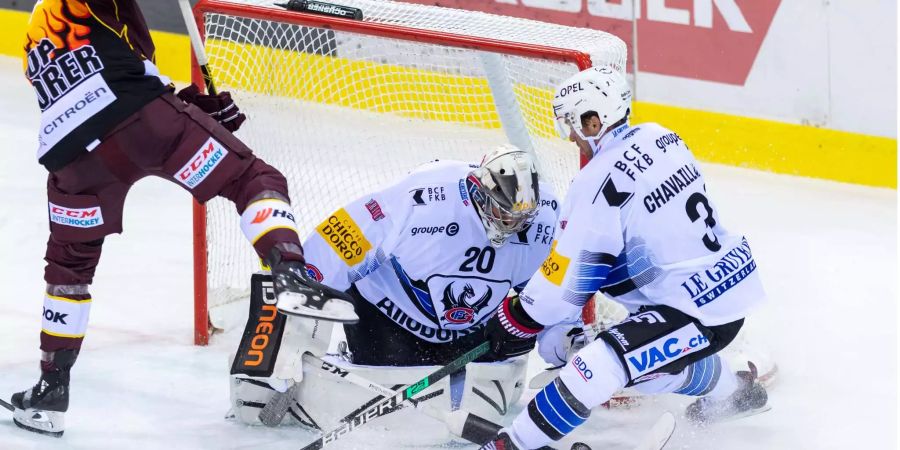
(511, 331)
(220, 106)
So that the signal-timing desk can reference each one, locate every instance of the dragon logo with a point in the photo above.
(458, 309)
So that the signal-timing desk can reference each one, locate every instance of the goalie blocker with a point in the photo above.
(269, 360)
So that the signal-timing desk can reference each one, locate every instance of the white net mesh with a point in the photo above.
(342, 113)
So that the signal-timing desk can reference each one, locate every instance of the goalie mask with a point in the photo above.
(600, 90)
(504, 190)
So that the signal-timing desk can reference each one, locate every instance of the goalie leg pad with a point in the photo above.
(324, 399)
(491, 388)
(273, 344)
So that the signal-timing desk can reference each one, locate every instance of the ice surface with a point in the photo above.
(826, 252)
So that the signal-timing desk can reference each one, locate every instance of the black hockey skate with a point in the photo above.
(42, 408)
(750, 398)
(501, 442)
(300, 295)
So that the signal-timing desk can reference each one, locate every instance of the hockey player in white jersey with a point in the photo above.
(637, 224)
(427, 261)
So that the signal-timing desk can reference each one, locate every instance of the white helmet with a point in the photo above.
(504, 189)
(602, 90)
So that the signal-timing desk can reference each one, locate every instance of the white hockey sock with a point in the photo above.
(263, 216)
(591, 378)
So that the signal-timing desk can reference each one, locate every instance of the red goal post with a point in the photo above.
(436, 79)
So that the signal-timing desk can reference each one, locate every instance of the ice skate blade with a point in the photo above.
(745, 414)
(334, 310)
(50, 423)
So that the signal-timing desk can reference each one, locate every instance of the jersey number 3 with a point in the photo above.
(710, 240)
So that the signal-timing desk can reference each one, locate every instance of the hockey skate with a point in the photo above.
(501, 442)
(42, 408)
(300, 295)
(750, 398)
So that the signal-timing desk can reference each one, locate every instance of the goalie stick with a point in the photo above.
(477, 429)
(397, 397)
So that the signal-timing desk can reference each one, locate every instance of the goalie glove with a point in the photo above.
(511, 331)
(558, 343)
(220, 107)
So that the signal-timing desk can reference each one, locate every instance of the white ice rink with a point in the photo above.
(826, 252)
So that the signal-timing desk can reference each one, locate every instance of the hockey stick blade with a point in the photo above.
(397, 398)
(659, 434)
(6, 405)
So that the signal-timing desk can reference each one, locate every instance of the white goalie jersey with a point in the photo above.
(418, 251)
(638, 225)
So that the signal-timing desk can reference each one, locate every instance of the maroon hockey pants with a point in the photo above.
(167, 139)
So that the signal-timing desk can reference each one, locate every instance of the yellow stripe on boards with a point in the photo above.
(779, 147)
(714, 137)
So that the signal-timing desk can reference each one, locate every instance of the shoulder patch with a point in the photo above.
(345, 237)
(374, 210)
(613, 196)
(555, 266)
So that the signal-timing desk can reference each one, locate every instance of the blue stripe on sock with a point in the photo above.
(560, 404)
(699, 375)
(550, 414)
(704, 376)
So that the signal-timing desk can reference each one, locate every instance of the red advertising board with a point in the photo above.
(712, 40)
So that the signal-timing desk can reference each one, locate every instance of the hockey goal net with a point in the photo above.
(344, 106)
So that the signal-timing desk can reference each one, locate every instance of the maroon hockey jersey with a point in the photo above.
(91, 64)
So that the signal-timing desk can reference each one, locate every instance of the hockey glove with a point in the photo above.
(558, 343)
(220, 106)
(511, 331)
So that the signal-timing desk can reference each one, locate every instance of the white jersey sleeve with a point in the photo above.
(588, 238)
(639, 225)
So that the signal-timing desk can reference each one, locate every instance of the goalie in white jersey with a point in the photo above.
(638, 225)
(426, 261)
(431, 257)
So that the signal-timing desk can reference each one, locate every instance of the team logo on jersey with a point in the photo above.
(374, 210)
(612, 195)
(76, 217)
(555, 266)
(345, 237)
(458, 307)
(314, 272)
(423, 196)
(207, 158)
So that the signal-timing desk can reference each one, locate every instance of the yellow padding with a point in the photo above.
(779, 147)
(714, 137)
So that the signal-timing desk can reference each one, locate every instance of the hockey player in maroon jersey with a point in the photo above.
(108, 119)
